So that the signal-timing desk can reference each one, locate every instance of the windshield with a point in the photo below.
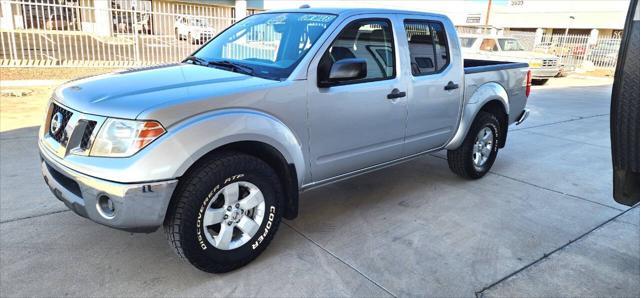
(508, 44)
(199, 22)
(271, 44)
(467, 42)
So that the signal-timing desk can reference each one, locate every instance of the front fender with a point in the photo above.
(482, 95)
(185, 142)
(201, 134)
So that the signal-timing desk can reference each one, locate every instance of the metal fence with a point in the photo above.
(574, 51)
(38, 33)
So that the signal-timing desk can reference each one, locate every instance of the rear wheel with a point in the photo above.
(474, 158)
(225, 212)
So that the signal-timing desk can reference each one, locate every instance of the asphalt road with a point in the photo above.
(542, 223)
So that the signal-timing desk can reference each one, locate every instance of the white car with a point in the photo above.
(502, 48)
(195, 30)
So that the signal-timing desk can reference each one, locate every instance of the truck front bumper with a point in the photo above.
(133, 207)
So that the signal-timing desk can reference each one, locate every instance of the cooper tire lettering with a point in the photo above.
(199, 219)
(268, 226)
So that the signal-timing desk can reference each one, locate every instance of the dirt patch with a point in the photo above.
(53, 73)
(599, 73)
(24, 111)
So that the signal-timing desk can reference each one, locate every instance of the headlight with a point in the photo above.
(535, 63)
(122, 138)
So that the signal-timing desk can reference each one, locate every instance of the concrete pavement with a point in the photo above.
(604, 263)
(542, 223)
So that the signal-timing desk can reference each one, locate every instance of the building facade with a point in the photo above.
(546, 17)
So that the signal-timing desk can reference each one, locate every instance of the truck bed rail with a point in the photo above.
(476, 66)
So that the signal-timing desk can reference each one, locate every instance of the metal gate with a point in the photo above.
(77, 33)
(575, 52)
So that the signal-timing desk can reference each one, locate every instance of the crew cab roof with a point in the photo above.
(347, 12)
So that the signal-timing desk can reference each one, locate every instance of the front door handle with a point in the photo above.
(396, 94)
(450, 86)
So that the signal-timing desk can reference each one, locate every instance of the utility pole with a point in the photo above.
(567, 29)
(487, 13)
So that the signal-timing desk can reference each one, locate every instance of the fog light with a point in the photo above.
(106, 207)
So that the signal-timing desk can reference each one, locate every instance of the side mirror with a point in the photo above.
(343, 70)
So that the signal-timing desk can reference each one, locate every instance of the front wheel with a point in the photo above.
(225, 212)
(474, 158)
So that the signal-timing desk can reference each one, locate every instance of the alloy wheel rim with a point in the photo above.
(482, 147)
(234, 215)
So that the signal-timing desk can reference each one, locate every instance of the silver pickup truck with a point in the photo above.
(217, 148)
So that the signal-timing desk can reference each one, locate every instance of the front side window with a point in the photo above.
(369, 39)
(509, 44)
(427, 47)
(269, 44)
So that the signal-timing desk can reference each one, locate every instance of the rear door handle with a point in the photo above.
(396, 94)
(451, 86)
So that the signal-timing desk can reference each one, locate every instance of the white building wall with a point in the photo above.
(6, 17)
(608, 14)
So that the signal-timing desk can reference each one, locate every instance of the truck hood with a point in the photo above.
(129, 93)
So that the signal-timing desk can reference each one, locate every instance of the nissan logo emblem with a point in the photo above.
(56, 123)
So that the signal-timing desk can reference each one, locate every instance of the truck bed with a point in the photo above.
(500, 77)
(476, 66)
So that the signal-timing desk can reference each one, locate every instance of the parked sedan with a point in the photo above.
(194, 30)
(502, 48)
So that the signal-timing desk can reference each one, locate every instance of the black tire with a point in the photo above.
(539, 82)
(196, 189)
(461, 160)
(624, 115)
(562, 73)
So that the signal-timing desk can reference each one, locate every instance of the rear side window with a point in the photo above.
(428, 48)
(508, 44)
(369, 39)
(489, 45)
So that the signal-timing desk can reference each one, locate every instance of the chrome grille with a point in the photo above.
(76, 134)
(86, 136)
(66, 115)
(550, 62)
